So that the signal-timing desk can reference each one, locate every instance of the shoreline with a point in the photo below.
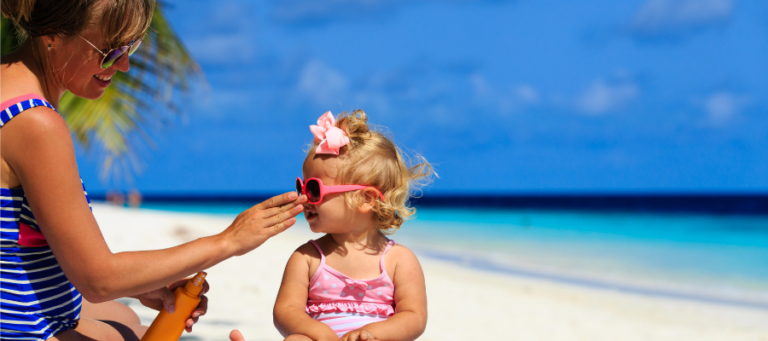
(482, 303)
(678, 292)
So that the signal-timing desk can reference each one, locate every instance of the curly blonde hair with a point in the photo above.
(372, 159)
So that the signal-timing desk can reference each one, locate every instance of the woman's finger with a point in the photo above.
(277, 227)
(274, 220)
(191, 321)
(206, 287)
(202, 308)
(281, 211)
(282, 226)
(279, 200)
(169, 300)
(289, 213)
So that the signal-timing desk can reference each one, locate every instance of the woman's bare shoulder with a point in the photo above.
(38, 123)
(35, 137)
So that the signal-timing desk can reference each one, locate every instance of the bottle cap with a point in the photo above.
(195, 285)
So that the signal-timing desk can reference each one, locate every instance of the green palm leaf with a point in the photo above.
(118, 123)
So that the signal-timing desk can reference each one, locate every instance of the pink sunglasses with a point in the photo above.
(314, 189)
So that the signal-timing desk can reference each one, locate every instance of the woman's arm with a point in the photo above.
(410, 318)
(38, 147)
(290, 315)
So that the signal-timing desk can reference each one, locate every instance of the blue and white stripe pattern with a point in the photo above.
(13, 110)
(36, 298)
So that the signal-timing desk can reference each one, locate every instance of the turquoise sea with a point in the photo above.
(716, 258)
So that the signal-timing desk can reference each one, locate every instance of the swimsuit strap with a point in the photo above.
(322, 255)
(389, 246)
(12, 107)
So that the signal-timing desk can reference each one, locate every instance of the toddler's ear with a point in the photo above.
(369, 195)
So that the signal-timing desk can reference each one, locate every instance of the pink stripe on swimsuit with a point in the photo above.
(346, 304)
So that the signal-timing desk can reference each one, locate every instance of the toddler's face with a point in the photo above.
(332, 215)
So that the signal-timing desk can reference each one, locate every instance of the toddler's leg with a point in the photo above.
(297, 337)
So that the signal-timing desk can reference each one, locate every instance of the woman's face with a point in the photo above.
(77, 65)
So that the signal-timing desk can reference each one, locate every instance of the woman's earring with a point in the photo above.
(49, 47)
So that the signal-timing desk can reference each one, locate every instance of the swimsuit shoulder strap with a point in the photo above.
(12, 107)
(322, 255)
(389, 246)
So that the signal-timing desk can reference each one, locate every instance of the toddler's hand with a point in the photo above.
(358, 335)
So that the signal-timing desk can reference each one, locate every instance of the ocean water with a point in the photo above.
(715, 258)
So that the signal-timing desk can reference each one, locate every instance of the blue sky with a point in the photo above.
(516, 96)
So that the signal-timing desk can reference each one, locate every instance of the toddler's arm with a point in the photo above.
(289, 315)
(410, 318)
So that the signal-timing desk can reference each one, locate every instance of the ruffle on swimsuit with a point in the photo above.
(363, 308)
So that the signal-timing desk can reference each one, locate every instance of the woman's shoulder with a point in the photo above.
(38, 123)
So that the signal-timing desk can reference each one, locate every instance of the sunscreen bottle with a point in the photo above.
(167, 326)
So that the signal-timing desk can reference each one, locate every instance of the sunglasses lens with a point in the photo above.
(313, 191)
(134, 47)
(298, 187)
(113, 56)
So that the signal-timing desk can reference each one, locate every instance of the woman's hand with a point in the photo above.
(358, 335)
(164, 298)
(257, 224)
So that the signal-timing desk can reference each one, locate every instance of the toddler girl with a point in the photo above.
(354, 283)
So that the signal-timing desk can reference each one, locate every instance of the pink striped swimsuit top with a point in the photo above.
(346, 304)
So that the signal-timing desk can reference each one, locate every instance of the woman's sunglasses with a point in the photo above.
(114, 55)
(314, 189)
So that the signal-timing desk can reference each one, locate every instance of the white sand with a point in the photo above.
(463, 304)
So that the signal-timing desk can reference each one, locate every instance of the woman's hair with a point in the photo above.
(372, 159)
(120, 21)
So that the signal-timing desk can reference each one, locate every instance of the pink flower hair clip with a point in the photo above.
(331, 138)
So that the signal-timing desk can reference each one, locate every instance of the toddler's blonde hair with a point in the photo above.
(372, 159)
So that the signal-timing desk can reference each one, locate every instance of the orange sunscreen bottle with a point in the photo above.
(167, 326)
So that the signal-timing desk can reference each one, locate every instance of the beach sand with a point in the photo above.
(464, 304)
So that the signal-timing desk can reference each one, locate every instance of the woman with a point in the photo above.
(58, 277)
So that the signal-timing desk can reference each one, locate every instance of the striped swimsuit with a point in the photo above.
(346, 304)
(36, 299)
